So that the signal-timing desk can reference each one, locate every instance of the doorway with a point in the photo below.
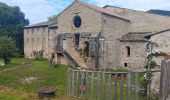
(86, 49)
(64, 44)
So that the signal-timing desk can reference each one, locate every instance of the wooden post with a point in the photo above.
(128, 86)
(109, 87)
(103, 87)
(78, 85)
(97, 86)
(115, 87)
(162, 83)
(72, 82)
(92, 80)
(121, 87)
(69, 82)
(136, 86)
(86, 85)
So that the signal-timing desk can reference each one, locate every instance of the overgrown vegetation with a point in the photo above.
(12, 21)
(7, 49)
(150, 64)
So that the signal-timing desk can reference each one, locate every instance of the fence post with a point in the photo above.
(103, 87)
(115, 87)
(86, 85)
(162, 83)
(136, 86)
(68, 82)
(109, 86)
(128, 86)
(72, 82)
(78, 85)
(97, 86)
(92, 79)
(121, 87)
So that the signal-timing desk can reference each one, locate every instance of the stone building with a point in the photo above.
(93, 37)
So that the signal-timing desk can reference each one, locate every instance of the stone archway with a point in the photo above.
(86, 49)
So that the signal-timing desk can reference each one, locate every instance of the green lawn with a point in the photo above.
(12, 76)
(13, 86)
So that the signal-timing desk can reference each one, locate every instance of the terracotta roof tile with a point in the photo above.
(42, 24)
(135, 36)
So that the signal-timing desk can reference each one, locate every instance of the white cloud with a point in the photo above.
(38, 10)
(142, 5)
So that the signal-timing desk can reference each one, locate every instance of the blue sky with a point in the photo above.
(39, 10)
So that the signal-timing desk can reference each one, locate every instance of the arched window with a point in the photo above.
(77, 21)
(128, 51)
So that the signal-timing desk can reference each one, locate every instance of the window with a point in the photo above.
(128, 51)
(32, 40)
(38, 40)
(27, 40)
(77, 21)
(125, 64)
(77, 39)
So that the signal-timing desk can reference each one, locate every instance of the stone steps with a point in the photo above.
(76, 56)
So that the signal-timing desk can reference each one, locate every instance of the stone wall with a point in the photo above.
(36, 39)
(162, 41)
(91, 20)
(113, 29)
(137, 54)
(141, 21)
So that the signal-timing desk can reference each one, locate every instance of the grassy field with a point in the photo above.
(15, 84)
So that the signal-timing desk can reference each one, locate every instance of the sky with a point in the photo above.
(39, 10)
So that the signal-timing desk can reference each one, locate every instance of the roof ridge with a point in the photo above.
(101, 10)
(138, 32)
(133, 10)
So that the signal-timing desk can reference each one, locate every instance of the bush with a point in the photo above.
(2, 64)
(7, 49)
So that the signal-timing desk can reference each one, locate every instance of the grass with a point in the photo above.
(12, 75)
(13, 88)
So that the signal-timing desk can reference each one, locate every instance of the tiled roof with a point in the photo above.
(42, 24)
(158, 32)
(135, 36)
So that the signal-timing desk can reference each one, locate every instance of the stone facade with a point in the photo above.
(99, 41)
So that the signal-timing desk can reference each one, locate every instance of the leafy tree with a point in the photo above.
(54, 17)
(7, 49)
(12, 21)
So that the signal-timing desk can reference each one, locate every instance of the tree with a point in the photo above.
(12, 21)
(54, 17)
(7, 49)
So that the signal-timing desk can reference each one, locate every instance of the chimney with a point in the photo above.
(77, 0)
